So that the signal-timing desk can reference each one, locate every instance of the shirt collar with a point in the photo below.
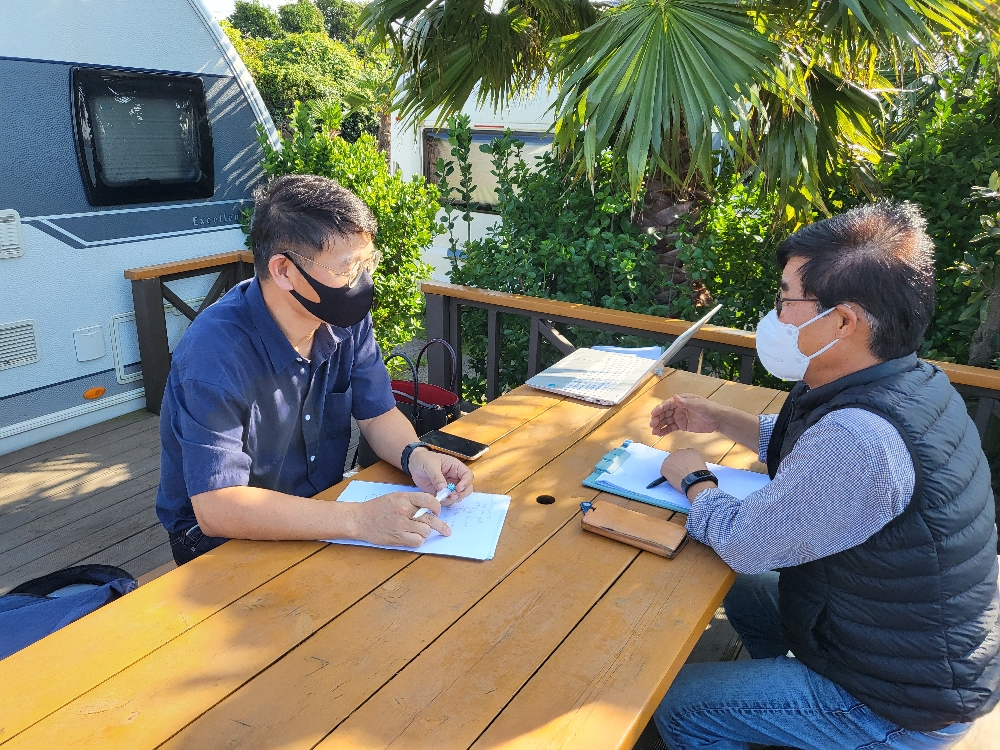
(279, 350)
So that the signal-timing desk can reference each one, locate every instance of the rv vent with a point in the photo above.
(17, 344)
(11, 238)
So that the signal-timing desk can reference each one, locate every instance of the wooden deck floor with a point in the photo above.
(85, 497)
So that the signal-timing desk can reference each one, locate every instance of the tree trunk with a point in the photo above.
(663, 212)
(385, 135)
(981, 349)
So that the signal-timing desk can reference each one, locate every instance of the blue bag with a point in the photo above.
(41, 606)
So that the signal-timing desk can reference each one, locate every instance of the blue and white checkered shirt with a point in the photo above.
(847, 477)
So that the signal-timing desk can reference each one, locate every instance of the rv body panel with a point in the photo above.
(64, 293)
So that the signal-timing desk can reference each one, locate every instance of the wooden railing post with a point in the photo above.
(492, 354)
(533, 348)
(455, 338)
(437, 327)
(154, 350)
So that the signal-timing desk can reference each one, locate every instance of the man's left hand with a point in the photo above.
(679, 464)
(432, 472)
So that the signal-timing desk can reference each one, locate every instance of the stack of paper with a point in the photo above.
(642, 466)
(475, 522)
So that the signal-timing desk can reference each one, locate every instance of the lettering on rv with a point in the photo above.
(202, 221)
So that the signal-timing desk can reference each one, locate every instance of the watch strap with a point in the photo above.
(404, 460)
(695, 477)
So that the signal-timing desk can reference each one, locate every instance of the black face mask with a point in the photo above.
(343, 306)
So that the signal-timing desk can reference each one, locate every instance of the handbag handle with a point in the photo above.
(416, 383)
(454, 361)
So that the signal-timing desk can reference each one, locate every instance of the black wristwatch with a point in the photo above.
(702, 475)
(404, 460)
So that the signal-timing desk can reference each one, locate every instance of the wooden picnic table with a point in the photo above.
(564, 639)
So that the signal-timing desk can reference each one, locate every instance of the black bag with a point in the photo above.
(428, 407)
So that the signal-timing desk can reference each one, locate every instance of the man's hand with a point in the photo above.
(686, 412)
(432, 472)
(679, 464)
(389, 519)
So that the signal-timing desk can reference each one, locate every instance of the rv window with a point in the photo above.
(436, 146)
(142, 137)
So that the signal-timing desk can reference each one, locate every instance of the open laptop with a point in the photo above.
(607, 378)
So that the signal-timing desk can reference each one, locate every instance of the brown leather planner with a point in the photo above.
(637, 529)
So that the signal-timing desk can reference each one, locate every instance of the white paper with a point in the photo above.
(475, 522)
(643, 466)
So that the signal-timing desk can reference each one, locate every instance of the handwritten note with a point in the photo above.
(475, 522)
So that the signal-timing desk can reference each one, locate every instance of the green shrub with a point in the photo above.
(557, 238)
(405, 211)
(731, 252)
(956, 146)
(255, 20)
(340, 18)
(301, 17)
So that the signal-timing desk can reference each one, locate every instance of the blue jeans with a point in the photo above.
(187, 545)
(774, 699)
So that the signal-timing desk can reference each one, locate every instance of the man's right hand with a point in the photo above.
(389, 519)
(686, 412)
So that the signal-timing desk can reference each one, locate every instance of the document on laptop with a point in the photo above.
(636, 465)
(475, 522)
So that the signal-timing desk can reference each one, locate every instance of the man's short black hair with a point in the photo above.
(301, 213)
(878, 256)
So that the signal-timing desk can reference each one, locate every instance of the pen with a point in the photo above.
(656, 483)
(441, 495)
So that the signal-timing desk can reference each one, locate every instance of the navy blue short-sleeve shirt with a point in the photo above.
(242, 408)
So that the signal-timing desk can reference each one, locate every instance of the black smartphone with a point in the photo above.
(453, 445)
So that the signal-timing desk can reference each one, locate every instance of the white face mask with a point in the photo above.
(778, 346)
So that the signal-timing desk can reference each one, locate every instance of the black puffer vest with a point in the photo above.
(907, 622)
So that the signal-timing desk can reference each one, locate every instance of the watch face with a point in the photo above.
(703, 473)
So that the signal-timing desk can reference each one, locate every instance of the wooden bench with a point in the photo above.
(149, 291)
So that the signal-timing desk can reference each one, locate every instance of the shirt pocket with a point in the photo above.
(337, 412)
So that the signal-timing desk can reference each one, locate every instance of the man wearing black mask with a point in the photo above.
(256, 416)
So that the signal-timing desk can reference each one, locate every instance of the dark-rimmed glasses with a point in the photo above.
(779, 301)
(368, 264)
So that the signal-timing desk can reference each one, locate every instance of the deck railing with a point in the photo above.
(444, 320)
(149, 291)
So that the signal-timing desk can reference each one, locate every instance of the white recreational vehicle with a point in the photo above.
(127, 139)
(416, 149)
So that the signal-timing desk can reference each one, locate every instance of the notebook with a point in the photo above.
(607, 378)
(475, 522)
(625, 471)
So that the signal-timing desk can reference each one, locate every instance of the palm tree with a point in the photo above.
(375, 91)
(793, 88)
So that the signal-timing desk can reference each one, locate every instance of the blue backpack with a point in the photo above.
(43, 605)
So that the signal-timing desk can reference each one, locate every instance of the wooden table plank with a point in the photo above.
(55, 671)
(293, 704)
(602, 684)
(142, 687)
(452, 691)
(600, 687)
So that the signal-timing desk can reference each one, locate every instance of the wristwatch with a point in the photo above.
(404, 460)
(702, 475)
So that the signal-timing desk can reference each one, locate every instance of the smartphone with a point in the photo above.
(453, 445)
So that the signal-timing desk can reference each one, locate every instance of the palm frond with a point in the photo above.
(448, 50)
(653, 74)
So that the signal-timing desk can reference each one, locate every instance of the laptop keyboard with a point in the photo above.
(600, 381)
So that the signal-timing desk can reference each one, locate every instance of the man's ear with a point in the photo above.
(849, 319)
(279, 268)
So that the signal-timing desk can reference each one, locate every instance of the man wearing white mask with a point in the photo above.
(868, 589)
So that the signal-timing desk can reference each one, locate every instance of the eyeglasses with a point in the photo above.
(779, 301)
(368, 264)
